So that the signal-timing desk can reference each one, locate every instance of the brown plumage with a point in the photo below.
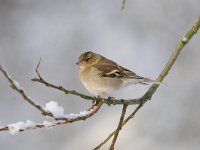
(100, 75)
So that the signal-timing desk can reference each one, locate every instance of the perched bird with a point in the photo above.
(100, 76)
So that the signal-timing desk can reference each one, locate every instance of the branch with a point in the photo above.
(147, 95)
(16, 86)
(20, 126)
(64, 119)
(83, 115)
(119, 127)
(162, 75)
(23, 126)
(107, 101)
(114, 132)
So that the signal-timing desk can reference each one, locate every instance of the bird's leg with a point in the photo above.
(94, 100)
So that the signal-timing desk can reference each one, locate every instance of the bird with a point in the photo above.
(101, 76)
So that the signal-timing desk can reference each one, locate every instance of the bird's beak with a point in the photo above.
(77, 63)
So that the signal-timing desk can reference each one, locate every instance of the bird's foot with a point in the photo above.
(97, 99)
(110, 100)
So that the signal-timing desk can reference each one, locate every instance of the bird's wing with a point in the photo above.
(113, 70)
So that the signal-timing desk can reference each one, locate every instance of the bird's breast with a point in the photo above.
(96, 84)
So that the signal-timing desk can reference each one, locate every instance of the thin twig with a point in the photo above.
(162, 75)
(112, 133)
(119, 127)
(36, 69)
(108, 101)
(21, 91)
(123, 4)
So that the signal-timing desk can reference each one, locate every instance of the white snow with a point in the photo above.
(30, 124)
(47, 124)
(81, 114)
(71, 116)
(56, 110)
(17, 84)
(52, 107)
(14, 128)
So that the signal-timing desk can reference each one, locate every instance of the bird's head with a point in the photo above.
(88, 59)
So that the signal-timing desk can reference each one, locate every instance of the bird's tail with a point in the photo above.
(147, 80)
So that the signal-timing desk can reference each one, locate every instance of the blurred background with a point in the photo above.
(141, 38)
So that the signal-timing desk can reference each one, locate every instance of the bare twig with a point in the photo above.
(162, 75)
(15, 86)
(108, 101)
(119, 127)
(36, 69)
(112, 133)
(123, 4)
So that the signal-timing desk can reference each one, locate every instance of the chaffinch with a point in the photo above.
(100, 76)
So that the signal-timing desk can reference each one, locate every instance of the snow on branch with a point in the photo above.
(58, 112)
(52, 109)
(59, 117)
(17, 127)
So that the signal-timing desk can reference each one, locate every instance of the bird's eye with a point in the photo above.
(87, 59)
